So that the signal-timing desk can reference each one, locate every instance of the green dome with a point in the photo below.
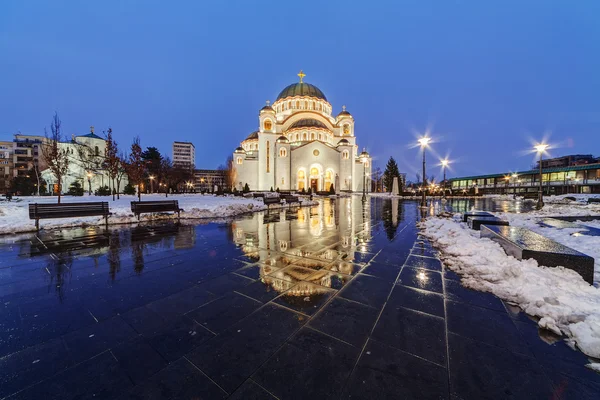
(301, 89)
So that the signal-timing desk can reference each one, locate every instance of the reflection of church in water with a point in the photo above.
(306, 245)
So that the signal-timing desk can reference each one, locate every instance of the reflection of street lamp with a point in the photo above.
(89, 176)
(364, 158)
(424, 142)
(515, 176)
(507, 179)
(540, 149)
(151, 184)
(445, 163)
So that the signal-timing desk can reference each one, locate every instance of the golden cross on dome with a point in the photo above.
(268, 103)
(301, 75)
(92, 128)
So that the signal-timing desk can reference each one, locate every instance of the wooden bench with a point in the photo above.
(271, 200)
(529, 196)
(68, 210)
(145, 207)
(595, 200)
(522, 243)
(289, 199)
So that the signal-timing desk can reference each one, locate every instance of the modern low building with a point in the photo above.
(206, 179)
(567, 161)
(184, 155)
(299, 145)
(6, 165)
(559, 180)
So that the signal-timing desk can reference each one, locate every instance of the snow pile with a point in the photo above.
(562, 300)
(14, 215)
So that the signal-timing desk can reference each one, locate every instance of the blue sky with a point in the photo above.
(486, 76)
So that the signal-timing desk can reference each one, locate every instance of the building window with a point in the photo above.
(316, 152)
(96, 151)
(346, 129)
(312, 136)
(297, 103)
(304, 136)
(301, 178)
(320, 136)
(345, 155)
(268, 156)
(282, 181)
(314, 171)
(296, 137)
(268, 125)
(282, 152)
(239, 160)
(306, 105)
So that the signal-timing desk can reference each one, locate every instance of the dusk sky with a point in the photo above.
(486, 78)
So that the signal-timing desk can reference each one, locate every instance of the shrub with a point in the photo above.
(309, 191)
(277, 190)
(246, 188)
(75, 189)
(303, 191)
(331, 190)
(102, 191)
(129, 189)
(271, 188)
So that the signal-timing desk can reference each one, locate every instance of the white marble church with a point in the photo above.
(300, 145)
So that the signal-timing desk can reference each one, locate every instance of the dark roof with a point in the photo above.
(301, 89)
(240, 150)
(308, 123)
(253, 135)
(267, 108)
(282, 139)
(343, 141)
(91, 136)
(531, 172)
(344, 113)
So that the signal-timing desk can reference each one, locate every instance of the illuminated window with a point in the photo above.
(320, 136)
(345, 154)
(312, 136)
(314, 171)
(297, 103)
(316, 152)
(282, 152)
(306, 105)
(301, 178)
(239, 160)
(282, 181)
(304, 136)
(296, 137)
(346, 129)
(268, 125)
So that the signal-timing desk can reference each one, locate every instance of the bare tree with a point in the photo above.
(121, 171)
(230, 175)
(136, 166)
(111, 159)
(166, 174)
(56, 156)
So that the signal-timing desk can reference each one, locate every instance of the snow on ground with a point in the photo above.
(14, 215)
(589, 245)
(562, 300)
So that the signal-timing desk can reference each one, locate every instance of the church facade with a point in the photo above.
(301, 145)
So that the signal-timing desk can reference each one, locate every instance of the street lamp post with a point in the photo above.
(540, 149)
(364, 158)
(445, 163)
(89, 176)
(515, 176)
(151, 184)
(423, 142)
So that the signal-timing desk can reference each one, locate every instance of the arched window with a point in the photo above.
(268, 125)
(306, 105)
(312, 136)
(345, 155)
(346, 129)
(268, 156)
(314, 171)
(239, 160)
(297, 103)
(301, 180)
(320, 136)
(304, 136)
(296, 137)
(96, 151)
(282, 152)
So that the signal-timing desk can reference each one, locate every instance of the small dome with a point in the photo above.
(308, 123)
(282, 139)
(343, 142)
(253, 135)
(267, 108)
(301, 89)
(240, 150)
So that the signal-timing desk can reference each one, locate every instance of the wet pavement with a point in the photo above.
(341, 300)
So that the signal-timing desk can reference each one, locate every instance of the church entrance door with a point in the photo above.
(314, 185)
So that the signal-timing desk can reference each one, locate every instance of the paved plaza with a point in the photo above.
(343, 300)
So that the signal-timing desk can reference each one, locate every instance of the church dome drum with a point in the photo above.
(307, 123)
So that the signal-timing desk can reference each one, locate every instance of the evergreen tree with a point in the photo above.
(75, 189)
(391, 172)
